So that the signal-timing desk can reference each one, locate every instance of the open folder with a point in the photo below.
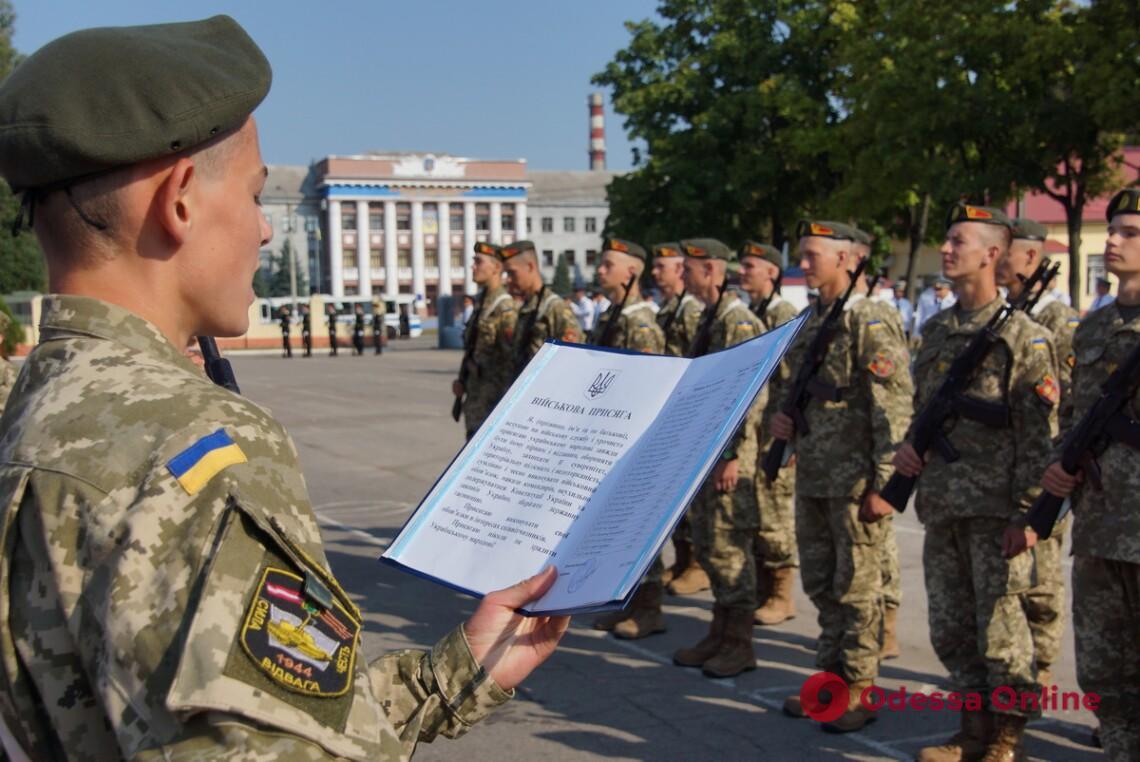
(588, 463)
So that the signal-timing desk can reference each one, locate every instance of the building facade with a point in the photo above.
(568, 211)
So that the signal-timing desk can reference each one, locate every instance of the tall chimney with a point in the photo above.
(597, 132)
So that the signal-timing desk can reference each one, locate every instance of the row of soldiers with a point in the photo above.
(996, 593)
(360, 321)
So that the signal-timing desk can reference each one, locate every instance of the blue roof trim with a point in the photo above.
(374, 191)
(495, 192)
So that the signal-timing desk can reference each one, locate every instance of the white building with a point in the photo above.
(567, 213)
(293, 212)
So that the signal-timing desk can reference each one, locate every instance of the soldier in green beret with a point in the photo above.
(166, 592)
(544, 314)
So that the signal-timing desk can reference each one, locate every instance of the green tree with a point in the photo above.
(561, 284)
(13, 333)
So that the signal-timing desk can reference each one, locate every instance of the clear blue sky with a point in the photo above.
(491, 79)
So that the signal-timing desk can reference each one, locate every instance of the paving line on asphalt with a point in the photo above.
(358, 533)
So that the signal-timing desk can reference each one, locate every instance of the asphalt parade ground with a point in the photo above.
(373, 434)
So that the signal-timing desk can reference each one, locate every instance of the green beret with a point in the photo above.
(762, 251)
(488, 249)
(861, 236)
(706, 248)
(825, 229)
(1126, 201)
(970, 213)
(98, 99)
(666, 250)
(514, 249)
(622, 246)
(1025, 229)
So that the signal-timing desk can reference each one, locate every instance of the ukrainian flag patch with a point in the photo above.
(874, 325)
(195, 466)
(1039, 344)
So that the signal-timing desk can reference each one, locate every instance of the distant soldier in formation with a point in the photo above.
(1045, 601)
(860, 411)
(7, 369)
(635, 328)
(974, 509)
(377, 327)
(331, 315)
(724, 515)
(358, 330)
(307, 330)
(1106, 522)
(678, 317)
(544, 314)
(488, 340)
(761, 267)
(286, 320)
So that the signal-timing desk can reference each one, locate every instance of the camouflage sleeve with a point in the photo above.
(691, 319)
(740, 328)
(1066, 361)
(1033, 396)
(644, 337)
(566, 326)
(7, 381)
(884, 366)
(502, 357)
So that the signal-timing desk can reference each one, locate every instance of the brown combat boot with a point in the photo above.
(610, 619)
(967, 745)
(682, 557)
(692, 579)
(780, 606)
(857, 716)
(735, 654)
(1005, 744)
(890, 649)
(645, 616)
(707, 647)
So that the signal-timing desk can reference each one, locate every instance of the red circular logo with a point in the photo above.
(824, 697)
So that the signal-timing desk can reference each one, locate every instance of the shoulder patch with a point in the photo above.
(1074, 322)
(306, 644)
(1048, 391)
(874, 325)
(1039, 343)
(195, 466)
(881, 365)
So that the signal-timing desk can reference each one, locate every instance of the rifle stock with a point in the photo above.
(218, 368)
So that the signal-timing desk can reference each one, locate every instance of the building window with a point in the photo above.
(456, 261)
(529, 227)
(456, 216)
(348, 215)
(1094, 268)
(430, 219)
(376, 259)
(591, 225)
(482, 216)
(548, 257)
(508, 217)
(403, 216)
(348, 258)
(591, 258)
(376, 218)
(403, 257)
(567, 224)
(547, 224)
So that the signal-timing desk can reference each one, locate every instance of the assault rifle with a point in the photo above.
(470, 340)
(521, 349)
(218, 368)
(806, 385)
(762, 308)
(1104, 423)
(700, 345)
(611, 322)
(1045, 273)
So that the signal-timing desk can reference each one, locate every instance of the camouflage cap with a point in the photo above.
(707, 248)
(1025, 229)
(838, 231)
(98, 99)
(969, 213)
(666, 250)
(488, 249)
(762, 251)
(514, 249)
(622, 246)
(1126, 201)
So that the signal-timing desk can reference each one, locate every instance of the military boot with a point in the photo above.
(890, 649)
(645, 616)
(1005, 743)
(780, 606)
(707, 647)
(735, 654)
(682, 557)
(691, 579)
(967, 745)
(856, 716)
(610, 619)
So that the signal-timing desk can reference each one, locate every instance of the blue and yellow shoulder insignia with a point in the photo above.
(1039, 343)
(195, 466)
(874, 324)
(1074, 321)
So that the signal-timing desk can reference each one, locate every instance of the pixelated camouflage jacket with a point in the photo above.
(851, 441)
(1107, 523)
(491, 367)
(8, 375)
(133, 616)
(679, 318)
(735, 323)
(778, 312)
(1062, 321)
(999, 467)
(636, 329)
(552, 319)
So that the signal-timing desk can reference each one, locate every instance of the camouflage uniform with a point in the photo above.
(1045, 601)
(978, 625)
(544, 316)
(139, 610)
(8, 375)
(679, 318)
(724, 524)
(491, 341)
(1106, 546)
(637, 329)
(847, 452)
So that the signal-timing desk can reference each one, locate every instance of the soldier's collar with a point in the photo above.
(976, 318)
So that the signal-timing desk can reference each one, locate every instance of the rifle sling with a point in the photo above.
(825, 392)
(991, 414)
(1124, 429)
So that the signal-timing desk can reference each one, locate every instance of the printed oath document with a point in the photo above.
(587, 463)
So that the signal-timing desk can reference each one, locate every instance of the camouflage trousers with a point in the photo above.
(889, 565)
(480, 401)
(776, 537)
(840, 570)
(723, 528)
(1106, 622)
(1045, 601)
(978, 626)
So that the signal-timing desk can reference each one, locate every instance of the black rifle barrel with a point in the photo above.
(218, 368)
